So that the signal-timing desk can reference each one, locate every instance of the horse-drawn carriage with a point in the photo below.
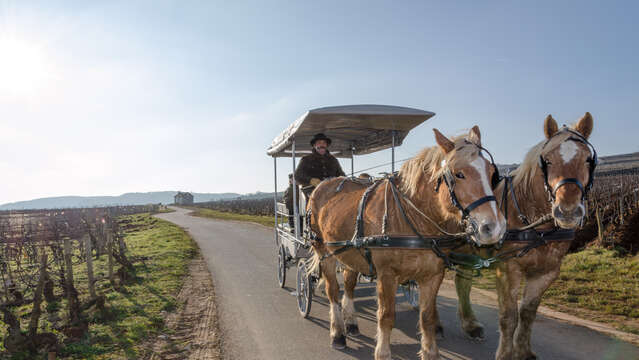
(354, 130)
(533, 239)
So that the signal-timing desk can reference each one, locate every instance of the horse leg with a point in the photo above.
(329, 273)
(533, 291)
(508, 282)
(439, 328)
(428, 316)
(386, 289)
(469, 323)
(348, 304)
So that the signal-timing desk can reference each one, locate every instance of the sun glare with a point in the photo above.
(22, 69)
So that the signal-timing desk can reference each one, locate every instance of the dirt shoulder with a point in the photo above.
(192, 331)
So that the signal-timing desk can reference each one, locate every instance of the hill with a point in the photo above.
(156, 197)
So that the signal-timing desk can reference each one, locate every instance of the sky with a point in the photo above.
(103, 98)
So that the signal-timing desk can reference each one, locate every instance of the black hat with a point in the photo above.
(320, 136)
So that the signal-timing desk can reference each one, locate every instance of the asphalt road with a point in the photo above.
(261, 321)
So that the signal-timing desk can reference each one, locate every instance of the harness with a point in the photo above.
(417, 241)
(527, 235)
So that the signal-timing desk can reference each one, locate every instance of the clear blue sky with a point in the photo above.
(101, 99)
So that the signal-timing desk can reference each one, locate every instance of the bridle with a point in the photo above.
(592, 164)
(449, 179)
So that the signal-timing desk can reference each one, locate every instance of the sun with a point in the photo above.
(22, 68)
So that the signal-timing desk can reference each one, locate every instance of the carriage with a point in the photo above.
(354, 130)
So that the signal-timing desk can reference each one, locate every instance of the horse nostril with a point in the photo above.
(579, 212)
(486, 228)
(557, 213)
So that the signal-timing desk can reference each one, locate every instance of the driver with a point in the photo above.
(318, 165)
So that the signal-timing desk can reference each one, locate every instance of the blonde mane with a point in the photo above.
(529, 171)
(428, 161)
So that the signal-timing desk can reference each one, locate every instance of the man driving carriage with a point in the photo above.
(317, 166)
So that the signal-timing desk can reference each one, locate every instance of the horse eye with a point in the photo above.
(459, 175)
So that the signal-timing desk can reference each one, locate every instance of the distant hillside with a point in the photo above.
(619, 162)
(156, 197)
(607, 164)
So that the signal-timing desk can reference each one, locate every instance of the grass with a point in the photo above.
(216, 214)
(597, 284)
(135, 314)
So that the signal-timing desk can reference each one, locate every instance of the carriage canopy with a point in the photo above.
(353, 129)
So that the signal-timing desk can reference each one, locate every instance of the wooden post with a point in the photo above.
(599, 227)
(89, 255)
(109, 244)
(37, 296)
(72, 295)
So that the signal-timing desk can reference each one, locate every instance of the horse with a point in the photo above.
(552, 182)
(419, 208)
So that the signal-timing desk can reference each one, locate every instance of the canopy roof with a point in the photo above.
(361, 128)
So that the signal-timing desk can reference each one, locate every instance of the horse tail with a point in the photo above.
(314, 262)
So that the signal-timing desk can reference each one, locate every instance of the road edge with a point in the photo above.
(571, 319)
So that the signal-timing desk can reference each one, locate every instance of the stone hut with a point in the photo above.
(183, 198)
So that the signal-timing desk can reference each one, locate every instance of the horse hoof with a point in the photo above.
(439, 332)
(352, 330)
(339, 343)
(476, 334)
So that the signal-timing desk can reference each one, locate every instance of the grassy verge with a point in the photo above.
(596, 284)
(216, 214)
(163, 252)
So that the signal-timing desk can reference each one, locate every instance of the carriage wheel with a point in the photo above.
(281, 266)
(411, 294)
(304, 291)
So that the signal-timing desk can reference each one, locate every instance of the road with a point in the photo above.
(260, 321)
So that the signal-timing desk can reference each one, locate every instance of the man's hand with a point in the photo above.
(315, 181)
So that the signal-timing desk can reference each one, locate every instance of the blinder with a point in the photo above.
(449, 179)
(592, 160)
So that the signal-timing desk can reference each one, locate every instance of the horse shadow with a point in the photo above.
(406, 322)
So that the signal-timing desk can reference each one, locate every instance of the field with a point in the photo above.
(228, 215)
(133, 307)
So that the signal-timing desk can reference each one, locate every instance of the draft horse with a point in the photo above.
(396, 237)
(552, 183)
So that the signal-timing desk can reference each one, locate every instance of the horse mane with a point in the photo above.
(428, 161)
(529, 171)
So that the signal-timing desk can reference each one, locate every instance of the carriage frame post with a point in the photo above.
(393, 154)
(275, 198)
(352, 161)
(295, 203)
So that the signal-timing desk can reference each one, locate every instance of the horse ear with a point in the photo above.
(584, 125)
(550, 126)
(474, 135)
(443, 142)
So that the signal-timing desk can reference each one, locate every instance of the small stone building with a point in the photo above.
(183, 198)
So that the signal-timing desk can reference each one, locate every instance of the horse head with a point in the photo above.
(469, 178)
(567, 161)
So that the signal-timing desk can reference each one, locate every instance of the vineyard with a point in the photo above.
(613, 206)
(43, 256)
(260, 207)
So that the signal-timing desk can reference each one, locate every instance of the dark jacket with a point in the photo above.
(288, 198)
(318, 166)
